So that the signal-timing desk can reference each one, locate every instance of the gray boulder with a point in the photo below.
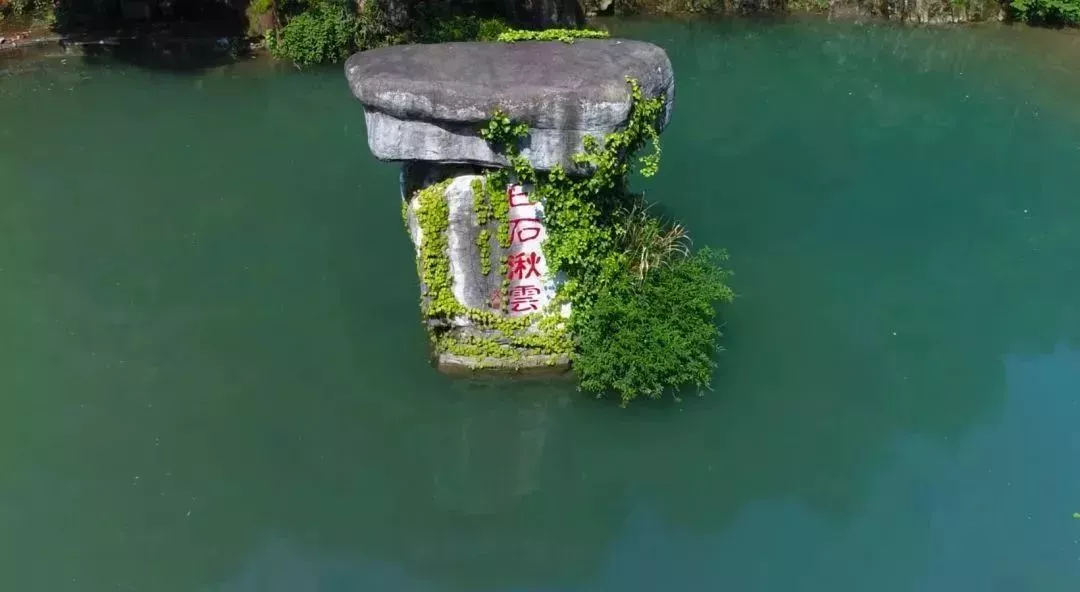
(427, 102)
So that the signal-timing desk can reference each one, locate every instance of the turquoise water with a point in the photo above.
(213, 377)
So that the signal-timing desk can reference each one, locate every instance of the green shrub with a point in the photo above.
(1047, 12)
(324, 33)
(645, 337)
(644, 307)
(491, 29)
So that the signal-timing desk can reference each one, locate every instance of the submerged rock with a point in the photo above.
(427, 102)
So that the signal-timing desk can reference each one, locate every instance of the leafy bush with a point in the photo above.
(325, 33)
(491, 29)
(644, 337)
(1048, 12)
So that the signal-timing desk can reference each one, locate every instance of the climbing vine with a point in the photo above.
(484, 213)
(433, 218)
(581, 212)
(637, 329)
(510, 339)
(483, 242)
(564, 35)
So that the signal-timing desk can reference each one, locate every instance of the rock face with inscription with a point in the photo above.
(489, 299)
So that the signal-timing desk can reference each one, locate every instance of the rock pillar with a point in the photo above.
(489, 298)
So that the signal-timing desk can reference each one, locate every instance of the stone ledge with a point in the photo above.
(427, 102)
(532, 365)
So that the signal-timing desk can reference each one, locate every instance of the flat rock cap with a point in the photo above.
(426, 102)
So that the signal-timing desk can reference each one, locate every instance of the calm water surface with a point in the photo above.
(213, 378)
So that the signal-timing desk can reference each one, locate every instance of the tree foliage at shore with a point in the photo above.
(317, 31)
(1047, 12)
(313, 31)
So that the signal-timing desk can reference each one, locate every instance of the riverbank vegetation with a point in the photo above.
(318, 31)
(34, 12)
(1047, 12)
(1053, 13)
(313, 31)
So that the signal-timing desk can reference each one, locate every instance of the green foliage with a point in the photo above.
(483, 241)
(433, 217)
(515, 336)
(1047, 12)
(564, 35)
(325, 33)
(373, 28)
(255, 13)
(478, 348)
(485, 213)
(642, 338)
(40, 10)
(644, 312)
(491, 29)
(648, 242)
(318, 31)
(644, 307)
(260, 6)
(464, 28)
(582, 213)
(503, 134)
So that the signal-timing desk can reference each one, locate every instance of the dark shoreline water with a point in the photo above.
(213, 376)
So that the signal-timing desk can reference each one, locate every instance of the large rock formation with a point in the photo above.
(424, 106)
(426, 102)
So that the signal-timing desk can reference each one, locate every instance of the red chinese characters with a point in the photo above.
(525, 298)
(523, 266)
(523, 230)
(526, 267)
(516, 196)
